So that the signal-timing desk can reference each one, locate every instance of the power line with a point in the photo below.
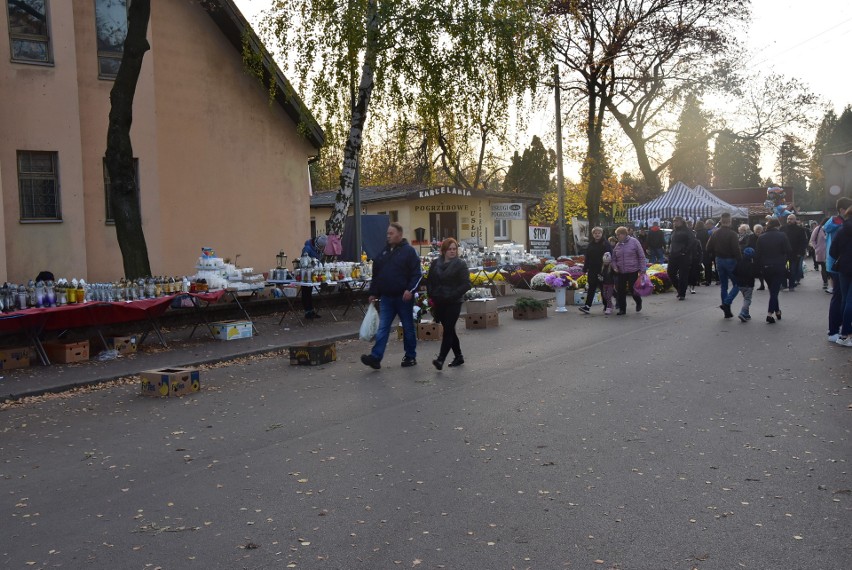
(801, 43)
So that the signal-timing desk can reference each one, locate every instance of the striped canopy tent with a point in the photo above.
(679, 200)
(721, 205)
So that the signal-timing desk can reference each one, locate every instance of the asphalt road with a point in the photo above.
(667, 439)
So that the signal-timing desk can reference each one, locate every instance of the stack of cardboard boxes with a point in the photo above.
(481, 314)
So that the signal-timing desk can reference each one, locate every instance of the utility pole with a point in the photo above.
(560, 185)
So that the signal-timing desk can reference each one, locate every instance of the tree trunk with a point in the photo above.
(356, 129)
(651, 175)
(594, 162)
(124, 194)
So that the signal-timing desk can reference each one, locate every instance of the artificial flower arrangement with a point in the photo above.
(556, 279)
(575, 271)
(482, 277)
(582, 281)
(520, 277)
(537, 282)
(548, 267)
(657, 267)
(478, 293)
(661, 281)
(422, 304)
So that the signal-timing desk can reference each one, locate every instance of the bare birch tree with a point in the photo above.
(404, 54)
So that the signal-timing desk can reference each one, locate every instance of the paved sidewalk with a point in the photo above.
(201, 349)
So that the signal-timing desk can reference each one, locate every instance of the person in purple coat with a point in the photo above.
(628, 261)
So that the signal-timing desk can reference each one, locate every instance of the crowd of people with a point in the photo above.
(699, 252)
(703, 252)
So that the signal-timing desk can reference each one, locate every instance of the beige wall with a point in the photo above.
(39, 112)
(104, 255)
(473, 215)
(234, 154)
(218, 165)
(4, 274)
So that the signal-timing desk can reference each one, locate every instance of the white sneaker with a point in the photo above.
(830, 290)
(844, 341)
(833, 337)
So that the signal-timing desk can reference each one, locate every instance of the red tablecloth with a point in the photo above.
(94, 313)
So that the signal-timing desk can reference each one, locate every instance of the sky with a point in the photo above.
(808, 40)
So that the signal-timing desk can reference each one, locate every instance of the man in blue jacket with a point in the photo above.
(396, 276)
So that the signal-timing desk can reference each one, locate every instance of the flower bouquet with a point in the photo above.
(422, 304)
(661, 280)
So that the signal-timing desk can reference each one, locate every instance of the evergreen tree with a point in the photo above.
(841, 136)
(820, 149)
(736, 162)
(530, 173)
(792, 164)
(690, 162)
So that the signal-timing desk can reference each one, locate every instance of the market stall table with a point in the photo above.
(490, 274)
(96, 314)
(327, 294)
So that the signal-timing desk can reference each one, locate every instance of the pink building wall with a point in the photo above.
(219, 165)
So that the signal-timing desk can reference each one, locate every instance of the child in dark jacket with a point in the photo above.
(607, 281)
(745, 273)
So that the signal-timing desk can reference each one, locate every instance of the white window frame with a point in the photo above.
(501, 230)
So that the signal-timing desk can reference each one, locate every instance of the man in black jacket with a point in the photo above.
(724, 246)
(799, 243)
(680, 256)
(396, 276)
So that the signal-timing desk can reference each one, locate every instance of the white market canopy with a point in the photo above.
(681, 200)
(722, 206)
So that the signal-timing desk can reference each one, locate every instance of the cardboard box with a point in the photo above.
(17, 357)
(313, 353)
(482, 321)
(529, 314)
(500, 289)
(170, 382)
(66, 352)
(430, 331)
(123, 344)
(480, 306)
(232, 330)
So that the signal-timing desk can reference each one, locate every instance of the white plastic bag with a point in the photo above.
(370, 324)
